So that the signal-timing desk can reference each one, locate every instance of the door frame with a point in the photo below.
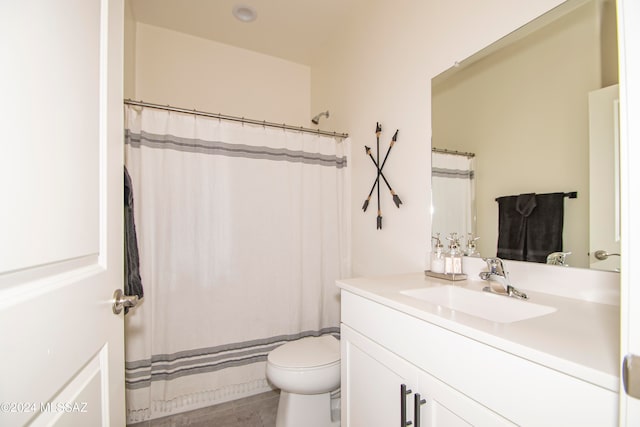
(629, 69)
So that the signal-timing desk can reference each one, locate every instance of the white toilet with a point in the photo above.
(306, 371)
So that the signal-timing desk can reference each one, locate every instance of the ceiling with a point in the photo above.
(288, 29)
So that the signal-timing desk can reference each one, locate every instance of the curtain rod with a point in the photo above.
(454, 152)
(234, 118)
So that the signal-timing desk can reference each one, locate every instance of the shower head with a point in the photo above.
(316, 119)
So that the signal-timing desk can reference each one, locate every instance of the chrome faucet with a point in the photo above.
(498, 279)
(558, 258)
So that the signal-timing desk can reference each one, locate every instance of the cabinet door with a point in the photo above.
(371, 383)
(372, 377)
(445, 406)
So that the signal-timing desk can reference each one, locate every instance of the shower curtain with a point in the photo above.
(242, 231)
(453, 195)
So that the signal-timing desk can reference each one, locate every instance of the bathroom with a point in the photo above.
(375, 67)
(396, 74)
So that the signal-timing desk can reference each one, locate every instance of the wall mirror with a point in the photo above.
(522, 116)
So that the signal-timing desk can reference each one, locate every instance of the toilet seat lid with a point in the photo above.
(306, 352)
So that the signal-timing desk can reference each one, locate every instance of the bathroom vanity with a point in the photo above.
(424, 351)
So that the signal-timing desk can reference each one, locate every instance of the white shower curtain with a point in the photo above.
(453, 195)
(242, 231)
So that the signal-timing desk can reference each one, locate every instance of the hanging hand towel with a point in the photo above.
(530, 226)
(132, 279)
(544, 227)
(513, 213)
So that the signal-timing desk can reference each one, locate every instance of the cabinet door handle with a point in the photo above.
(417, 402)
(403, 405)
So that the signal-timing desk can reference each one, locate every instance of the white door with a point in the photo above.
(604, 179)
(61, 349)
(629, 42)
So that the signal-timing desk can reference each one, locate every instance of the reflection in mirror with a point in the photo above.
(453, 194)
(522, 107)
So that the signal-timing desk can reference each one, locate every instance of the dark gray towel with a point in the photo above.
(132, 279)
(544, 227)
(512, 225)
(530, 226)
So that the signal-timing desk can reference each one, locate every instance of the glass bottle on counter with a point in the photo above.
(453, 257)
(437, 255)
(471, 249)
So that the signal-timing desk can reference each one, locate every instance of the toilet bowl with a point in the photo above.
(306, 371)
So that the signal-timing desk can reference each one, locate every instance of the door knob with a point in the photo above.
(120, 301)
(630, 377)
(602, 255)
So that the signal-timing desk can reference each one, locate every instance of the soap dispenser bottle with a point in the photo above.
(437, 255)
(471, 249)
(453, 258)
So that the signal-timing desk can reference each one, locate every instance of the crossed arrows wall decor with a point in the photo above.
(376, 183)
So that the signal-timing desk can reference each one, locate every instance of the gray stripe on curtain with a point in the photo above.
(452, 173)
(192, 145)
(140, 373)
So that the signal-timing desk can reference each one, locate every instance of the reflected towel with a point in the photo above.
(530, 226)
(544, 227)
(132, 279)
(512, 226)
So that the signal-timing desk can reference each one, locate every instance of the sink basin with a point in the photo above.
(496, 308)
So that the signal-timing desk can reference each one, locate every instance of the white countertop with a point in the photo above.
(581, 338)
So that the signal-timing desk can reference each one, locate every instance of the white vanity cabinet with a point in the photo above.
(380, 389)
(463, 380)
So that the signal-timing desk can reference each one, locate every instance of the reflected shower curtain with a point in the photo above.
(242, 231)
(453, 195)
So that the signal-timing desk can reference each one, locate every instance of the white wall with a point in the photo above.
(185, 71)
(129, 52)
(380, 69)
